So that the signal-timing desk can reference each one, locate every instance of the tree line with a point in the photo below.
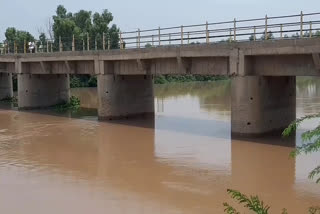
(86, 27)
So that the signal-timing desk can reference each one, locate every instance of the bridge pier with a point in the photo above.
(42, 90)
(6, 89)
(262, 104)
(123, 96)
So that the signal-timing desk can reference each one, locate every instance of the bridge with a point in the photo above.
(263, 70)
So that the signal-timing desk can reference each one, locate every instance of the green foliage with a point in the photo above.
(252, 203)
(148, 45)
(162, 79)
(313, 173)
(229, 209)
(75, 82)
(10, 99)
(295, 124)
(92, 81)
(269, 36)
(17, 36)
(73, 105)
(311, 141)
(80, 81)
(314, 210)
(79, 24)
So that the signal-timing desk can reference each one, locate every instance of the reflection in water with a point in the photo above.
(180, 162)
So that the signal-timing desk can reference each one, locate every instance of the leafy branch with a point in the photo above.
(252, 203)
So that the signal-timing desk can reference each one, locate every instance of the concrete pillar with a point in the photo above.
(262, 104)
(123, 96)
(6, 89)
(42, 90)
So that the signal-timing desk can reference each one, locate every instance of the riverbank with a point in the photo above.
(84, 81)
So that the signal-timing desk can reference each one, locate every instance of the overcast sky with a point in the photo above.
(132, 14)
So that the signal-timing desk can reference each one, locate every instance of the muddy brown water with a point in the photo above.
(182, 161)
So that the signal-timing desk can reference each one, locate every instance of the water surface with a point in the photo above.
(183, 161)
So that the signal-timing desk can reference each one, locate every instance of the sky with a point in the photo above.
(31, 15)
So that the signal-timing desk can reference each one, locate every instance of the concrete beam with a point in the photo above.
(282, 65)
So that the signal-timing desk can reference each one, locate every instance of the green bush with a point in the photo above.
(92, 81)
(75, 82)
(162, 79)
(73, 105)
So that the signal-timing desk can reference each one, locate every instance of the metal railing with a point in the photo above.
(267, 28)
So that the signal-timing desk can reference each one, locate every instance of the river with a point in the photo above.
(183, 161)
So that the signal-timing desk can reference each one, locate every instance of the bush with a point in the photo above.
(92, 81)
(75, 82)
(73, 104)
(162, 79)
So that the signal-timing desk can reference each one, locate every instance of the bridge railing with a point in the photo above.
(298, 26)
(266, 28)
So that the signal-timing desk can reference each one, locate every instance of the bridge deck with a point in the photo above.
(295, 57)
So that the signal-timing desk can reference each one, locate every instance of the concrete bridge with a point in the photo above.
(263, 76)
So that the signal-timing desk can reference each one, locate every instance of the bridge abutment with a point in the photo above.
(123, 96)
(262, 104)
(6, 89)
(42, 90)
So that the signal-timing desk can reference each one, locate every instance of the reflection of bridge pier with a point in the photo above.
(265, 170)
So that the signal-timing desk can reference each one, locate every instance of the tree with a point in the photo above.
(42, 44)
(269, 36)
(18, 37)
(83, 23)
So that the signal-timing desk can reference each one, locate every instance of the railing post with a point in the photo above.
(169, 38)
(120, 40)
(230, 35)
(73, 45)
(88, 42)
(8, 45)
(83, 45)
(152, 40)
(104, 41)
(281, 31)
(35, 47)
(188, 38)
(181, 34)
(266, 28)
(138, 39)
(310, 33)
(159, 36)
(301, 24)
(14, 47)
(51, 48)
(60, 44)
(24, 46)
(254, 33)
(47, 46)
(207, 33)
(95, 44)
(234, 29)
(109, 43)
